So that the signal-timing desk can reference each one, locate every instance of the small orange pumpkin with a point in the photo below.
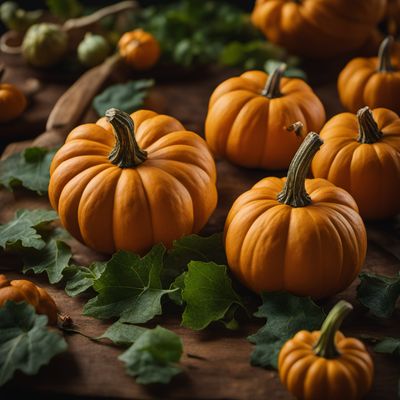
(325, 364)
(373, 82)
(23, 290)
(300, 235)
(139, 49)
(132, 182)
(250, 116)
(318, 29)
(12, 100)
(361, 154)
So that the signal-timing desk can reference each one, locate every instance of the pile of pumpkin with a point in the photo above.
(130, 181)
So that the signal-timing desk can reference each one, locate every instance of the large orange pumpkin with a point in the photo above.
(250, 117)
(139, 49)
(23, 290)
(152, 182)
(325, 364)
(373, 82)
(300, 235)
(12, 100)
(361, 154)
(318, 29)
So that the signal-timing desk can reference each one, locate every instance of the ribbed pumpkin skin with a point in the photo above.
(23, 290)
(139, 49)
(360, 84)
(12, 102)
(318, 29)
(315, 251)
(309, 377)
(171, 194)
(250, 129)
(370, 172)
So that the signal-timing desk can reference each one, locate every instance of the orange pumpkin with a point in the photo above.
(23, 290)
(12, 100)
(139, 49)
(318, 29)
(300, 235)
(250, 118)
(374, 82)
(325, 364)
(361, 154)
(132, 182)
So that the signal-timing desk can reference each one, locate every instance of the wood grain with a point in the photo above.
(221, 369)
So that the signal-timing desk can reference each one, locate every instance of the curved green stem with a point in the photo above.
(326, 346)
(384, 61)
(126, 152)
(272, 87)
(294, 192)
(368, 131)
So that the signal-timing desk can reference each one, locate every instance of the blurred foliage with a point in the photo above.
(65, 9)
(195, 32)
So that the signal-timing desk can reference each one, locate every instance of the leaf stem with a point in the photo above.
(126, 152)
(326, 346)
(294, 192)
(66, 324)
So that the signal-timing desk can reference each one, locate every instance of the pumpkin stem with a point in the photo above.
(326, 346)
(272, 87)
(384, 62)
(368, 131)
(297, 128)
(2, 70)
(126, 152)
(294, 192)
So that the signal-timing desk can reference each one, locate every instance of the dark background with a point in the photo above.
(34, 4)
(41, 4)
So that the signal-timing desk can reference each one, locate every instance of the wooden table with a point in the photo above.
(222, 370)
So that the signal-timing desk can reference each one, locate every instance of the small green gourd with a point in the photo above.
(44, 45)
(17, 19)
(93, 50)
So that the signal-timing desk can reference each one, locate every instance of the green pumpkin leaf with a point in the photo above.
(52, 259)
(83, 278)
(25, 341)
(177, 286)
(379, 293)
(29, 169)
(208, 295)
(23, 229)
(129, 288)
(286, 315)
(128, 96)
(388, 345)
(153, 357)
(192, 248)
(123, 334)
